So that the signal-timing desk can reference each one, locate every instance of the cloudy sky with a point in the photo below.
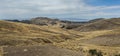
(83, 9)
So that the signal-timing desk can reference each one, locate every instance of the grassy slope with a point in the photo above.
(80, 43)
(19, 34)
(15, 34)
(106, 24)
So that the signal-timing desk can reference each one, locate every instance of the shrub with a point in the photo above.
(94, 52)
(117, 55)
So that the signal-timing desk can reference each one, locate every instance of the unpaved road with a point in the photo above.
(38, 51)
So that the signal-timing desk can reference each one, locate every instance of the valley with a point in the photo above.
(92, 38)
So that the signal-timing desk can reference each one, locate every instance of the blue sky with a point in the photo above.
(103, 2)
(83, 9)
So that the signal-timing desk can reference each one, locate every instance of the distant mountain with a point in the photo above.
(95, 20)
(92, 25)
(75, 19)
(44, 21)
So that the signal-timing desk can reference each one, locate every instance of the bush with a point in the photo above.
(117, 55)
(94, 52)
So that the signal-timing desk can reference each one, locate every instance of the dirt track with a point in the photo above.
(38, 51)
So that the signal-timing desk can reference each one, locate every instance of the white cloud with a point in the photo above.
(69, 8)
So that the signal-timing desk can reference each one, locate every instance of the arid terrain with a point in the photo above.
(52, 37)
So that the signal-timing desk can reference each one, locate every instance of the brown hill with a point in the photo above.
(44, 21)
(13, 34)
(111, 38)
(102, 36)
(18, 35)
(105, 42)
(104, 24)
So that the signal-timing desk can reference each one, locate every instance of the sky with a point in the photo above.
(63, 9)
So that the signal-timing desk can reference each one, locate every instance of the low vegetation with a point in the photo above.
(93, 38)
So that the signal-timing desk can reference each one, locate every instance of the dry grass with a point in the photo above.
(15, 34)
(106, 49)
(19, 34)
(0, 52)
(107, 24)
